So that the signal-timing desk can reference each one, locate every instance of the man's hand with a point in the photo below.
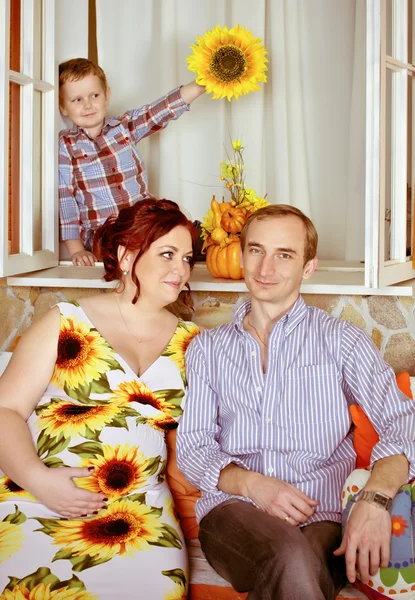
(56, 489)
(366, 541)
(83, 258)
(280, 499)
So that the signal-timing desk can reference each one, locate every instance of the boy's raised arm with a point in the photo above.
(191, 91)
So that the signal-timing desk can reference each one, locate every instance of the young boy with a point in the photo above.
(100, 168)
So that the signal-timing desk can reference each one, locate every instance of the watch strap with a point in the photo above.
(377, 498)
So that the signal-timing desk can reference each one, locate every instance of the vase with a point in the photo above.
(225, 262)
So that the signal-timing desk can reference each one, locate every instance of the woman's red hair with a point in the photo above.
(136, 228)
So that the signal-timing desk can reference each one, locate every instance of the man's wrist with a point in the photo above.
(378, 499)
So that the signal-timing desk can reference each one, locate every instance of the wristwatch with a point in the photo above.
(377, 498)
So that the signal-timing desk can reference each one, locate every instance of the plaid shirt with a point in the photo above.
(98, 177)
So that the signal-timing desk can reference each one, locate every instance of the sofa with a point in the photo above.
(206, 584)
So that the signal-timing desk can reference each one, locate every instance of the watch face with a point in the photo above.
(381, 499)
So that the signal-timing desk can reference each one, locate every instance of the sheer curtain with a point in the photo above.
(303, 132)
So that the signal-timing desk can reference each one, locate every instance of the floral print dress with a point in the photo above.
(96, 412)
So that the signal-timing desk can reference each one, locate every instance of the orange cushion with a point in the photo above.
(365, 436)
(184, 493)
(201, 591)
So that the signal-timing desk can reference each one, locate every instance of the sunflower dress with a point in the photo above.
(96, 412)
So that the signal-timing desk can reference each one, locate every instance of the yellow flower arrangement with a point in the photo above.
(223, 222)
(228, 62)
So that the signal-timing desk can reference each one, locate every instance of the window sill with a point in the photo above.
(327, 279)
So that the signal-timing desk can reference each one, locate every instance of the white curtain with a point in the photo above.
(303, 132)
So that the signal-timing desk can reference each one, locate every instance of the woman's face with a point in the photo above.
(165, 268)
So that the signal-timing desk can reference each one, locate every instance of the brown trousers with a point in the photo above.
(268, 558)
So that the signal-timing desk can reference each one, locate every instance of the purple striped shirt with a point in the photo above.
(293, 422)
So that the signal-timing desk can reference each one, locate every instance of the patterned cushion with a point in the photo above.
(398, 580)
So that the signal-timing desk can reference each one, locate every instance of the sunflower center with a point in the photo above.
(228, 63)
(71, 347)
(145, 400)
(75, 409)
(108, 529)
(118, 476)
(13, 487)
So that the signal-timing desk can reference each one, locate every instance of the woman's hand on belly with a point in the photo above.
(56, 489)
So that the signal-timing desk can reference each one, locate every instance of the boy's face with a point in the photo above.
(84, 102)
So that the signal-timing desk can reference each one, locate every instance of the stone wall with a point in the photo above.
(388, 320)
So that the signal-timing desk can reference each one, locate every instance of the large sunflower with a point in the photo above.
(70, 419)
(123, 528)
(117, 473)
(43, 592)
(82, 354)
(11, 539)
(179, 343)
(9, 489)
(228, 62)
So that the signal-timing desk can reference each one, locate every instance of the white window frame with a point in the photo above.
(378, 271)
(29, 259)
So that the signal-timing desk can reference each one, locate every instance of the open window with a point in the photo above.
(390, 142)
(28, 194)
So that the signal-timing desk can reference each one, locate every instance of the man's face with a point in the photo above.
(273, 260)
(85, 102)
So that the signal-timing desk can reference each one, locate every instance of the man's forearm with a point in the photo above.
(388, 474)
(191, 91)
(236, 480)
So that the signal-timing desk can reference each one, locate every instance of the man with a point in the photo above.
(266, 432)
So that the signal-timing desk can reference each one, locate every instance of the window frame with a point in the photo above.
(28, 259)
(378, 271)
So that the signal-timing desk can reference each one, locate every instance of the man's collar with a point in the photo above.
(291, 319)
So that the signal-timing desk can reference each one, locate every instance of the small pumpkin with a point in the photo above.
(233, 219)
(225, 262)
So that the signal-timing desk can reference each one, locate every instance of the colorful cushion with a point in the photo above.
(398, 580)
(365, 436)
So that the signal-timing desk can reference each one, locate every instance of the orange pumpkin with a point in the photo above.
(233, 219)
(225, 262)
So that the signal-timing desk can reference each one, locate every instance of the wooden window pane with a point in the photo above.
(37, 50)
(14, 169)
(388, 164)
(15, 34)
(37, 171)
(389, 27)
(410, 167)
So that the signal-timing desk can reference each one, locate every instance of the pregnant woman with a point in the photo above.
(85, 405)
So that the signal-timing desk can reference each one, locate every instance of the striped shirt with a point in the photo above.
(98, 177)
(293, 422)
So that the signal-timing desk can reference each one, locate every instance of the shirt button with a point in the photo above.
(258, 389)
(127, 138)
(253, 353)
(270, 470)
(267, 420)
(113, 169)
(85, 155)
(119, 187)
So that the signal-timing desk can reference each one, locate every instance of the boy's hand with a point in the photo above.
(83, 258)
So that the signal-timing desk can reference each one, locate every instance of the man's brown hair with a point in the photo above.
(284, 210)
(78, 68)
